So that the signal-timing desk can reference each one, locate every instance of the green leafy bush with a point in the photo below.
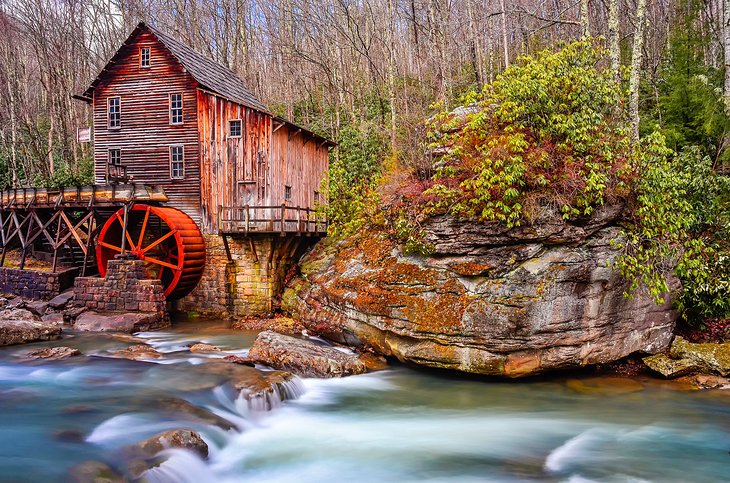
(547, 131)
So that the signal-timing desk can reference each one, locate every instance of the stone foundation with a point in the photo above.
(34, 284)
(125, 288)
(251, 282)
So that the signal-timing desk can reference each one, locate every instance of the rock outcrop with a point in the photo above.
(489, 300)
(304, 357)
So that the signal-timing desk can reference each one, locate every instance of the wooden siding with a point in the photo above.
(253, 169)
(146, 135)
(300, 161)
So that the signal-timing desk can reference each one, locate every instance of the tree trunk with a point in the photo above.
(614, 48)
(726, 51)
(504, 33)
(584, 21)
(637, 52)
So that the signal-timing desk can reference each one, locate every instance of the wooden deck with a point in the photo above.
(281, 219)
(81, 197)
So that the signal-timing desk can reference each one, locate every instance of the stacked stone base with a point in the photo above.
(248, 284)
(35, 284)
(125, 288)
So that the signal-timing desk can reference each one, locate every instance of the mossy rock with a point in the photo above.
(671, 368)
(710, 357)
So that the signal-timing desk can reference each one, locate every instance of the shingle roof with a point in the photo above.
(208, 73)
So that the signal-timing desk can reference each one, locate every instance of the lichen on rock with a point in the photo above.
(488, 299)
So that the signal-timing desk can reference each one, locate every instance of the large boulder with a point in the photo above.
(23, 331)
(304, 357)
(489, 300)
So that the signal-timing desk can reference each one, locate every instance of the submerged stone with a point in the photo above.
(94, 472)
(604, 386)
(138, 352)
(177, 438)
(200, 347)
(304, 357)
(53, 353)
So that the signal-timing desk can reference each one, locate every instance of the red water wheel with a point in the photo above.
(167, 239)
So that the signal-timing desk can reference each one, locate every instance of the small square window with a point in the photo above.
(177, 162)
(144, 57)
(115, 157)
(234, 128)
(115, 112)
(176, 108)
(287, 193)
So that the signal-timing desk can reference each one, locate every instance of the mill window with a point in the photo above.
(287, 193)
(177, 162)
(234, 128)
(176, 108)
(316, 196)
(144, 57)
(115, 112)
(115, 157)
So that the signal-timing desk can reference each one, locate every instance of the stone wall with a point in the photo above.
(125, 288)
(250, 283)
(34, 284)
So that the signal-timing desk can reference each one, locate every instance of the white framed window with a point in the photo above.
(234, 128)
(176, 108)
(114, 112)
(115, 157)
(144, 56)
(177, 162)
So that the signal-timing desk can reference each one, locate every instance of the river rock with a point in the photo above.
(488, 299)
(17, 314)
(181, 408)
(282, 325)
(705, 381)
(94, 472)
(671, 368)
(23, 331)
(37, 307)
(200, 347)
(713, 358)
(177, 438)
(53, 353)
(129, 322)
(137, 352)
(61, 300)
(56, 318)
(303, 357)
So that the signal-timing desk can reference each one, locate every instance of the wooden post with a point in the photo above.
(246, 217)
(55, 246)
(283, 218)
(299, 219)
(124, 228)
(25, 243)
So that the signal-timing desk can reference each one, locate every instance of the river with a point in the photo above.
(398, 425)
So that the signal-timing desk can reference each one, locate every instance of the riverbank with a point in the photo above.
(397, 425)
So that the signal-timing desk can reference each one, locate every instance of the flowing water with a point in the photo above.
(398, 425)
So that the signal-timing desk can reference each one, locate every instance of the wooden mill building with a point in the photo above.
(165, 115)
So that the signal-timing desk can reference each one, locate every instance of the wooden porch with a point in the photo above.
(281, 219)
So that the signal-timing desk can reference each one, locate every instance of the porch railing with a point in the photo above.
(271, 219)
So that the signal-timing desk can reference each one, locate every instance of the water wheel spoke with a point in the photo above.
(126, 232)
(161, 263)
(110, 246)
(144, 227)
(159, 240)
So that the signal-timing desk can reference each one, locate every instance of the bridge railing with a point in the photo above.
(271, 219)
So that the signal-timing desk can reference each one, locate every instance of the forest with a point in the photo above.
(374, 76)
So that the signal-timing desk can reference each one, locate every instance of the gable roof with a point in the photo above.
(208, 73)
